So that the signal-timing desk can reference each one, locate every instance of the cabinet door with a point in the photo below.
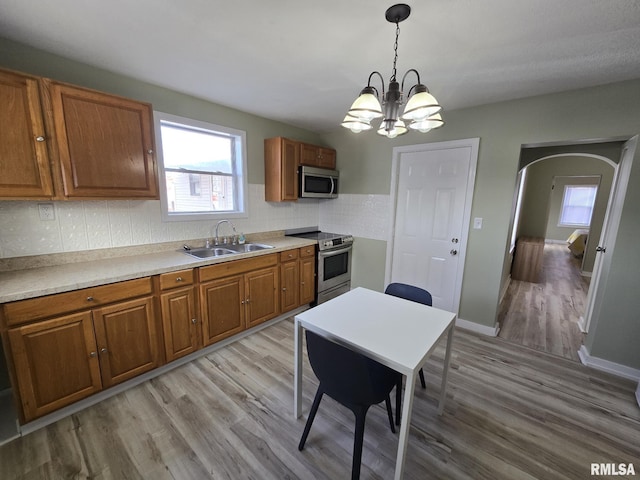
(24, 162)
(105, 144)
(327, 158)
(56, 363)
(289, 286)
(222, 308)
(179, 323)
(289, 170)
(262, 295)
(127, 340)
(307, 280)
(309, 155)
(281, 158)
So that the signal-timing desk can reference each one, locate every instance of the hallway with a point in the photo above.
(544, 315)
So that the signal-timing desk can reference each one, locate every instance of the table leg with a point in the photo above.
(403, 440)
(445, 371)
(297, 372)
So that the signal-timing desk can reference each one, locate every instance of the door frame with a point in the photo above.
(472, 143)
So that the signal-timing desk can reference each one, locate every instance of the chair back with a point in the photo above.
(347, 376)
(409, 292)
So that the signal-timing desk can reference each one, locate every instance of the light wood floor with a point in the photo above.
(545, 315)
(512, 413)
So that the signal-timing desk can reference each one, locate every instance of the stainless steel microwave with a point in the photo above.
(318, 183)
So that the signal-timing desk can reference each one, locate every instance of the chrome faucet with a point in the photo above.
(225, 240)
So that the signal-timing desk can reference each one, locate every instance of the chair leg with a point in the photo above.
(357, 443)
(312, 415)
(421, 373)
(387, 402)
(398, 399)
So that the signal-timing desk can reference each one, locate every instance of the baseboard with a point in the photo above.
(558, 242)
(608, 366)
(586, 274)
(504, 289)
(476, 327)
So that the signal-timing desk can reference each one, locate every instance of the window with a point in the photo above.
(577, 205)
(202, 169)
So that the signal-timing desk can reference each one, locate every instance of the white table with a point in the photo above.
(393, 331)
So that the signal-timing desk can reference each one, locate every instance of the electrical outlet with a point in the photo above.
(46, 211)
(477, 223)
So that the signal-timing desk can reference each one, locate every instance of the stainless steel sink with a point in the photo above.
(205, 252)
(249, 247)
(209, 252)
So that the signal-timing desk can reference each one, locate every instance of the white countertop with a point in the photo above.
(40, 281)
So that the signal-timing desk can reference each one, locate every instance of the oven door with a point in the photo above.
(334, 267)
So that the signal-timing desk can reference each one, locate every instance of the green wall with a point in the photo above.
(604, 112)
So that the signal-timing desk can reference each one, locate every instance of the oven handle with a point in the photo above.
(335, 251)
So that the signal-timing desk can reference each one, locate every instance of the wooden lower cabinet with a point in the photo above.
(179, 322)
(68, 357)
(56, 363)
(222, 308)
(262, 296)
(127, 340)
(307, 279)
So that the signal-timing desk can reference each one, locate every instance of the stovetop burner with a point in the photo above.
(325, 240)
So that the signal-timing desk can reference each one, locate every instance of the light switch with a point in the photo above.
(477, 223)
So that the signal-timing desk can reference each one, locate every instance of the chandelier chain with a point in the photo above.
(395, 53)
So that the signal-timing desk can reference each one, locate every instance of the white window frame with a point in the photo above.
(562, 205)
(240, 169)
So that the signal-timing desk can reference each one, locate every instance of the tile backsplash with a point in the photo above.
(88, 225)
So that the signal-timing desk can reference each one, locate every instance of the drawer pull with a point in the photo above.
(194, 321)
(178, 279)
(89, 299)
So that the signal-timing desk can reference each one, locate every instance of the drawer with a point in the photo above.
(176, 279)
(289, 255)
(24, 311)
(236, 267)
(307, 251)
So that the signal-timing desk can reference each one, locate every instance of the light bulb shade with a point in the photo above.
(367, 106)
(420, 106)
(397, 129)
(355, 125)
(427, 124)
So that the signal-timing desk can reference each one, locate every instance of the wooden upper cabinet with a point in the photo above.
(315, 156)
(281, 158)
(104, 143)
(24, 162)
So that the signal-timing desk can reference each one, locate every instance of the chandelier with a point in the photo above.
(422, 110)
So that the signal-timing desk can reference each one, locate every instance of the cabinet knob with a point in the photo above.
(103, 350)
(150, 151)
(453, 252)
(194, 321)
(40, 139)
(242, 302)
(89, 299)
(93, 354)
(247, 300)
(178, 279)
(284, 289)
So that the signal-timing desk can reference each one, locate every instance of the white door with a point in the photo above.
(433, 187)
(609, 233)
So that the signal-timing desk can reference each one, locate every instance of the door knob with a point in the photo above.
(601, 249)
(453, 252)
(454, 240)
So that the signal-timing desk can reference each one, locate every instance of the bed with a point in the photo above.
(577, 242)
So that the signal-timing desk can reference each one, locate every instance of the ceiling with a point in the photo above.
(303, 62)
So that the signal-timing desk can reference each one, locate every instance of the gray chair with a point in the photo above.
(353, 380)
(418, 295)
